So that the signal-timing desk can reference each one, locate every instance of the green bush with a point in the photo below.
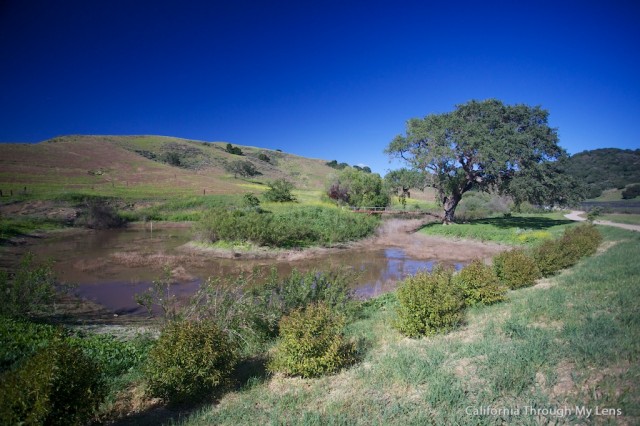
(311, 343)
(429, 303)
(631, 192)
(20, 339)
(279, 191)
(576, 243)
(550, 257)
(58, 385)
(29, 291)
(189, 360)
(249, 307)
(516, 269)
(581, 241)
(250, 201)
(480, 284)
(99, 214)
(295, 227)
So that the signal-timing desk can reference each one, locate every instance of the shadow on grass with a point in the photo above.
(535, 222)
(248, 373)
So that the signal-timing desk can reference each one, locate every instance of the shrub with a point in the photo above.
(550, 257)
(243, 168)
(189, 360)
(294, 227)
(57, 385)
(99, 214)
(250, 201)
(576, 243)
(20, 339)
(312, 343)
(516, 269)
(581, 241)
(429, 303)
(172, 158)
(480, 284)
(29, 291)
(233, 149)
(631, 192)
(249, 307)
(279, 191)
(593, 214)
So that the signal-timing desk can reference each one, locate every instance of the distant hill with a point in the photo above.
(605, 168)
(146, 166)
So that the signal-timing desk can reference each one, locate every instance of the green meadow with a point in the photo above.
(572, 340)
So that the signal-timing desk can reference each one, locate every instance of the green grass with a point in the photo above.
(631, 219)
(17, 226)
(573, 342)
(188, 208)
(610, 195)
(522, 229)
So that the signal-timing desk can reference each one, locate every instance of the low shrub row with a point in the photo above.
(51, 376)
(295, 227)
(576, 243)
(57, 384)
(241, 317)
(434, 302)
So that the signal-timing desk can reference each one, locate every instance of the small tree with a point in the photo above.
(243, 168)
(632, 191)
(280, 191)
(172, 158)
(29, 291)
(233, 150)
(358, 188)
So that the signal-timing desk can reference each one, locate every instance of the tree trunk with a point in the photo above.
(450, 204)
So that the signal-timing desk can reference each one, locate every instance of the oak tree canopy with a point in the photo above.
(487, 145)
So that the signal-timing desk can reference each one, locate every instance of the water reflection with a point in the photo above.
(110, 267)
(379, 272)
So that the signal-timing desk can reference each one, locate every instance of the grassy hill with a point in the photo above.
(607, 168)
(140, 167)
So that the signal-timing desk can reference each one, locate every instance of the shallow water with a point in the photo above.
(110, 267)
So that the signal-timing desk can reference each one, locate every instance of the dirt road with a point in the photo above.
(576, 215)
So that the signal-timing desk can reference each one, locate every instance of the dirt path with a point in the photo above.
(576, 216)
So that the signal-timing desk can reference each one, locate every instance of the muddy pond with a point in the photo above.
(110, 267)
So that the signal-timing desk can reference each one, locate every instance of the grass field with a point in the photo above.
(524, 229)
(132, 167)
(572, 341)
(631, 219)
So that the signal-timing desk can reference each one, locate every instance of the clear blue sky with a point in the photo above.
(325, 79)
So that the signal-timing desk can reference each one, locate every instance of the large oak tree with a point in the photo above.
(488, 145)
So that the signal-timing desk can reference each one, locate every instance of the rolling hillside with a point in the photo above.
(141, 166)
(607, 168)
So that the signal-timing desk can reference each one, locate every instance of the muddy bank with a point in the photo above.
(401, 233)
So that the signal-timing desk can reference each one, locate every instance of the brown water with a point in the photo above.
(110, 267)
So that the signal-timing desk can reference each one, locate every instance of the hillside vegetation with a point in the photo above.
(606, 168)
(144, 166)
